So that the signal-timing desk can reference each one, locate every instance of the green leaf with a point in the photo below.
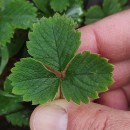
(6, 32)
(59, 5)
(9, 50)
(20, 13)
(1, 3)
(7, 86)
(111, 7)
(4, 58)
(8, 105)
(7, 94)
(94, 14)
(54, 41)
(13, 110)
(19, 118)
(33, 81)
(53, 44)
(11, 106)
(5, 3)
(123, 2)
(15, 14)
(87, 74)
(43, 5)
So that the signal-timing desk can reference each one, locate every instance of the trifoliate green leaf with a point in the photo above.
(59, 5)
(20, 118)
(87, 74)
(20, 13)
(94, 14)
(33, 81)
(111, 7)
(53, 44)
(54, 41)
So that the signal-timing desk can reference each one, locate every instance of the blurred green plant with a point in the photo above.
(16, 20)
(108, 7)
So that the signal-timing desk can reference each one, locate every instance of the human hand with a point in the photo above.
(110, 38)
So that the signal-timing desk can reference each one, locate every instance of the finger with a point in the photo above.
(49, 117)
(115, 99)
(110, 37)
(126, 90)
(61, 115)
(121, 74)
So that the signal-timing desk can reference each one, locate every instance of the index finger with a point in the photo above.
(109, 37)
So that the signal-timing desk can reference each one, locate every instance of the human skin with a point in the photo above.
(110, 38)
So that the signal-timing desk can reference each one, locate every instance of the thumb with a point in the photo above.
(61, 115)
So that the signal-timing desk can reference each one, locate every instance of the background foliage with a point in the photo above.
(16, 19)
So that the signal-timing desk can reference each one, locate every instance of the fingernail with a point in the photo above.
(51, 117)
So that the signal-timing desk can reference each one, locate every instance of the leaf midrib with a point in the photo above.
(55, 41)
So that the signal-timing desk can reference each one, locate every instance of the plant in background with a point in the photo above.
(12, 106)
(108, 7)
(14, 14)
(72, 8)
(49, 63)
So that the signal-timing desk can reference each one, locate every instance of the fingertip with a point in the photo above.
(51, 116)
(114, 99)
(88, 40)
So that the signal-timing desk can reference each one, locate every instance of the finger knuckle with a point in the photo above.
(99, 121)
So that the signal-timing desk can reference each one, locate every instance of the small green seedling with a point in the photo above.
(54, 64)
